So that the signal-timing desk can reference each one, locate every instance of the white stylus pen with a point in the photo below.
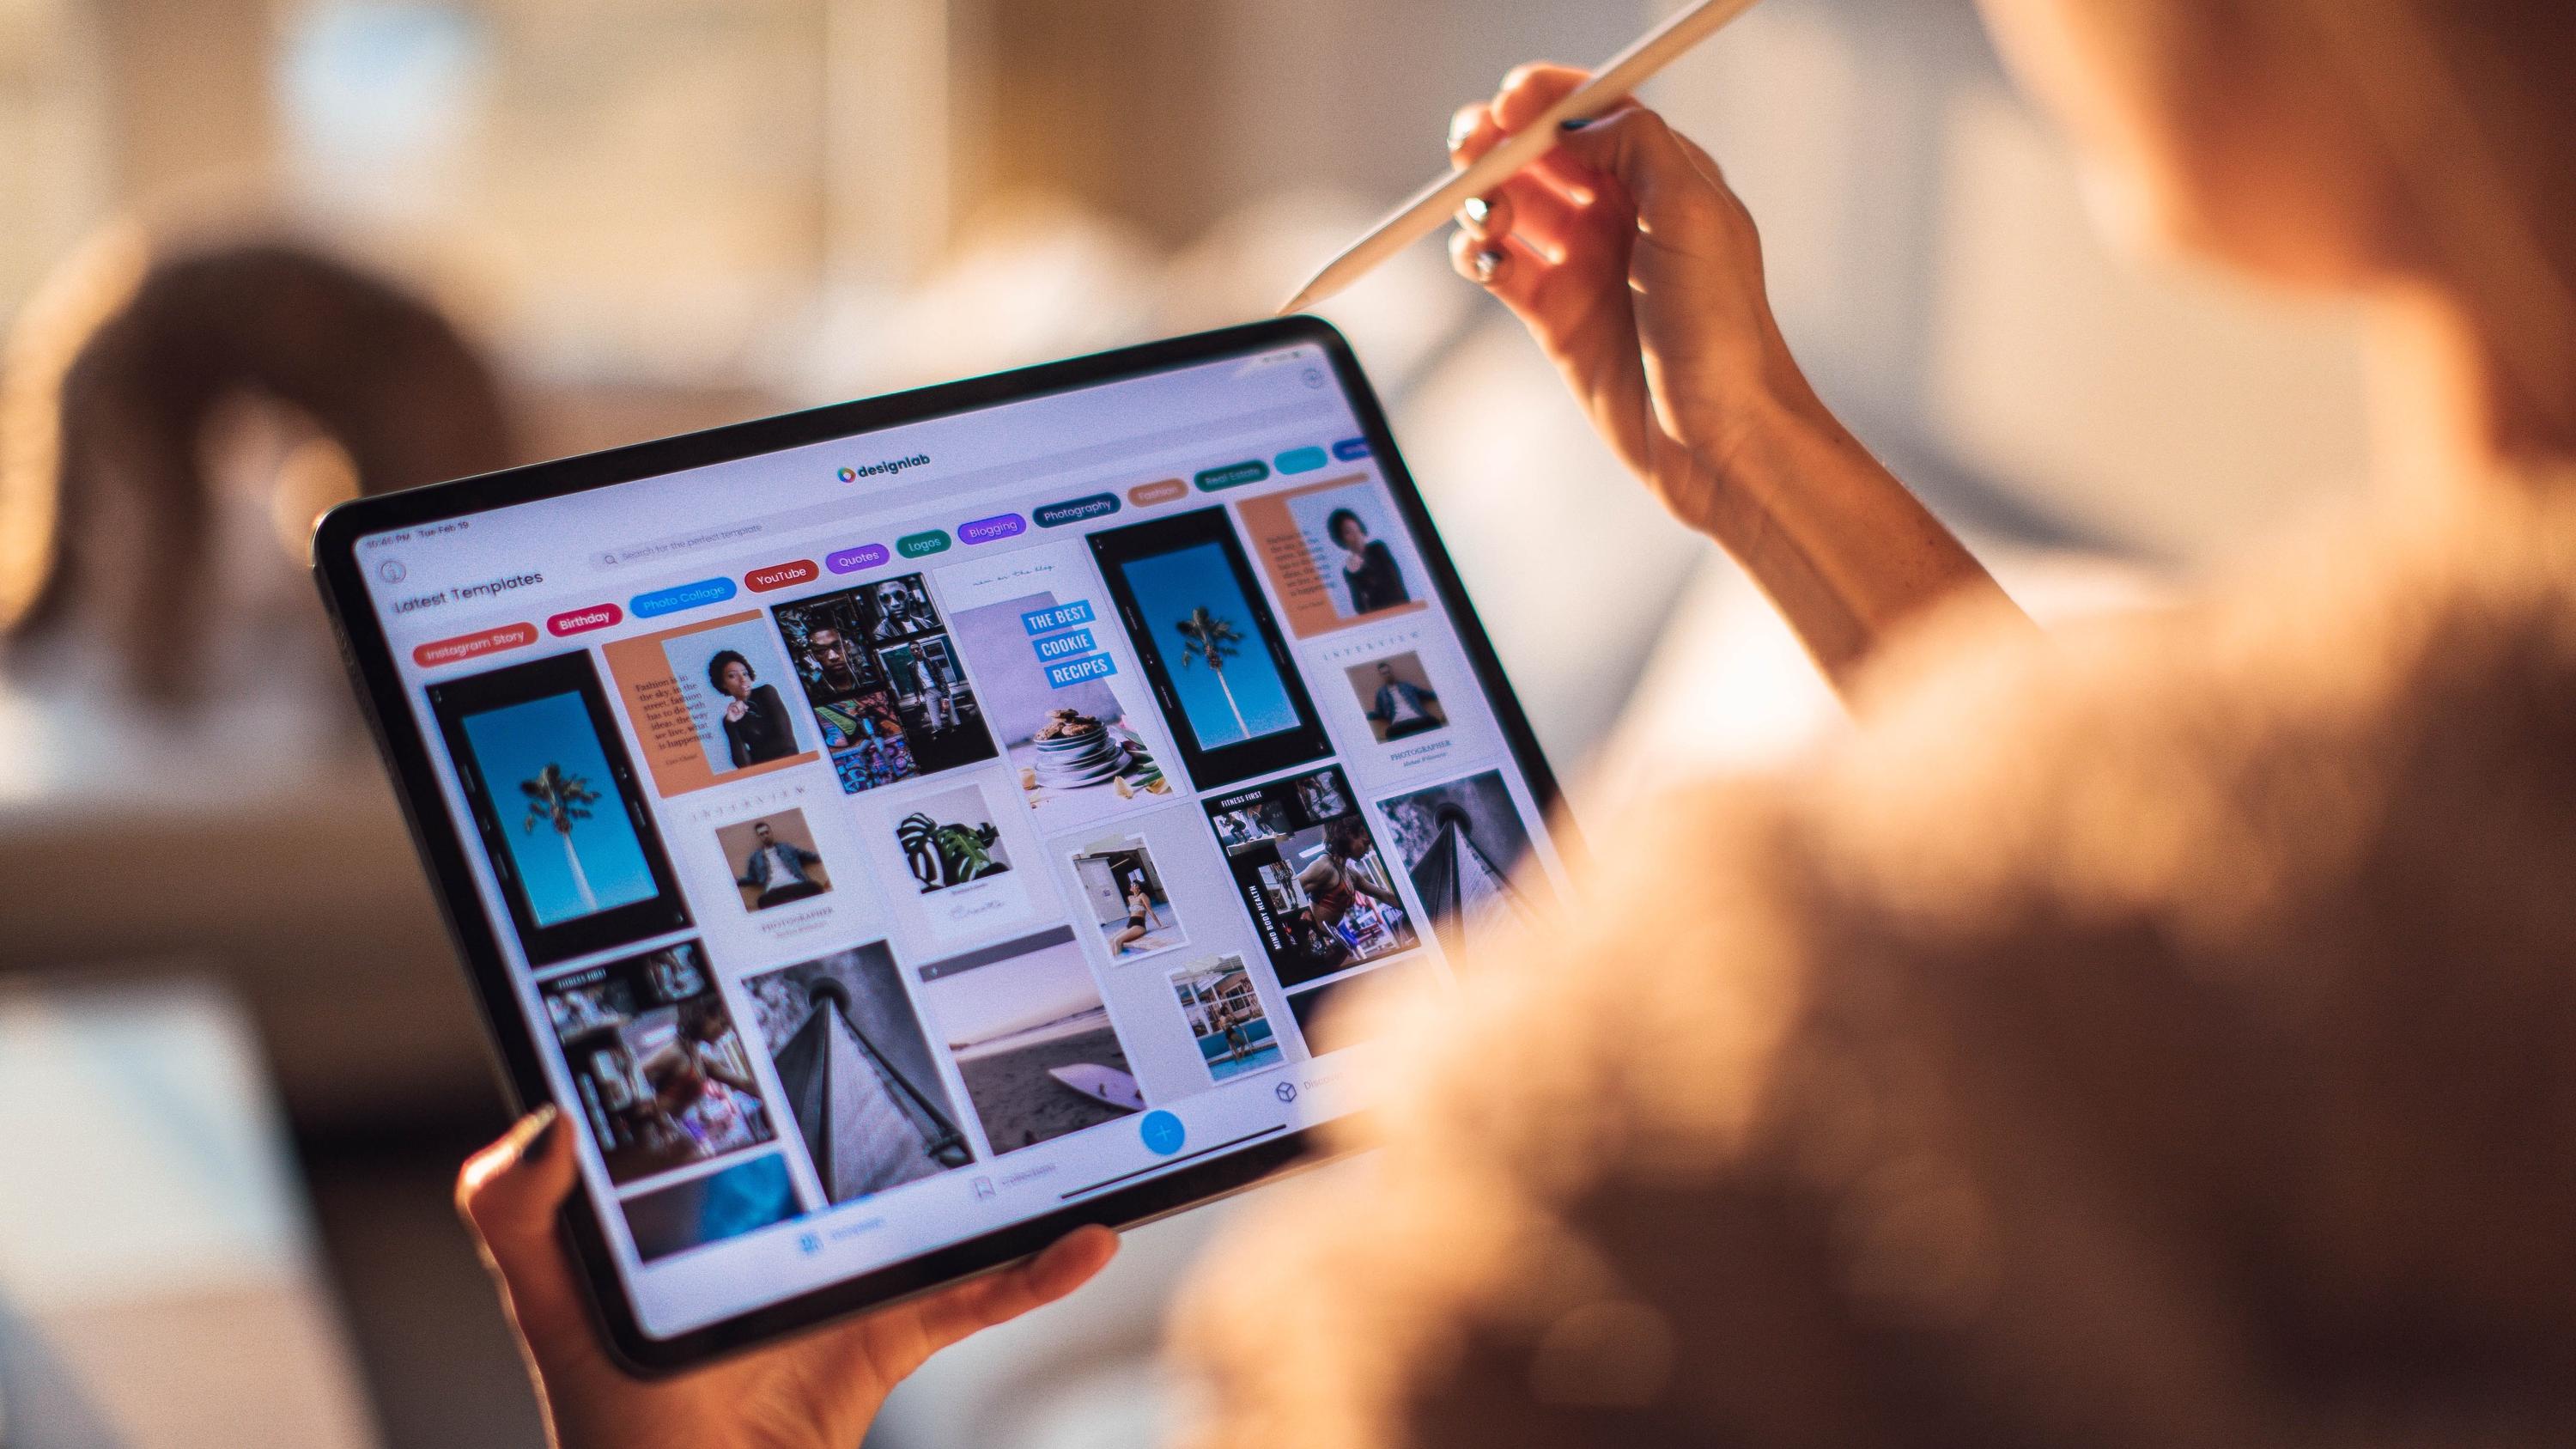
(1434, 204)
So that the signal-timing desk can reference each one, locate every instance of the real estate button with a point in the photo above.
(1233, 475)
(779, 576)
(471, 646)
(577, 621)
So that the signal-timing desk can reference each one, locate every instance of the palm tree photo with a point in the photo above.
(558, 800)
(1214, 640)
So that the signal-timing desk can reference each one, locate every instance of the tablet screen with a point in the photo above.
(904, 836)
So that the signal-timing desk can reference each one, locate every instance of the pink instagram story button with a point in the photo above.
(597, 616)
(473, 646)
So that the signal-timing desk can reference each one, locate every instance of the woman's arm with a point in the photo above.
(1640, 274)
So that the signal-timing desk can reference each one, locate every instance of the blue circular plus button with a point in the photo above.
(1163, 1133)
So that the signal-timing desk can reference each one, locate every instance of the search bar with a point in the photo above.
(1131, 452)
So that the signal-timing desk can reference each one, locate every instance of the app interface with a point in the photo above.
(914, 833)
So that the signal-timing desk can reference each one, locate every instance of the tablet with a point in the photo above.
(898, 833)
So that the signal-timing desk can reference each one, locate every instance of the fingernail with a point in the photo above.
(1477, 210)
(1575, 123)
(1488, 262)
(1460, 127)
(543, 1137)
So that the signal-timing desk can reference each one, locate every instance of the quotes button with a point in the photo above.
(853, 560)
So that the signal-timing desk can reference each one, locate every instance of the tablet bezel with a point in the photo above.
(513, 1036)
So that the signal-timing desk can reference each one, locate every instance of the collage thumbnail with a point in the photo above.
(662, 1074)
(1311, 875)
(1461, 843)
(1134, 912)
(856, 1070)
(1032, 1038)
(774, 860)
(884, 683)
(1396, 697)
(1074, 750)
(558, 807)
(1226, 1017)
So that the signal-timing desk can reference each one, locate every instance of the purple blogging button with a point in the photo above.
(985, 530)
(851, 560)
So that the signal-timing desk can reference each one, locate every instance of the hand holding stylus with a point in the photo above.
(817, 1391)
(1639, 273)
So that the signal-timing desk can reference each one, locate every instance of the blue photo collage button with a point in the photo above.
(681, 596)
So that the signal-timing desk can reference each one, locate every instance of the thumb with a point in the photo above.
(510, 1195)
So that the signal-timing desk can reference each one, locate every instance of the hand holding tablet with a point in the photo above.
(822, 1390)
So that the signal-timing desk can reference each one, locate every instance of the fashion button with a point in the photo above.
(779, 576)
(472, 646)
(578, 621)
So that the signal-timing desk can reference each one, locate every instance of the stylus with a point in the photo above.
(1436, 203)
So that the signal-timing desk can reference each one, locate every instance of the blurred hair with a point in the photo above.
(2474, 106)
(716, 667)
(1333, 522)
(115, 369)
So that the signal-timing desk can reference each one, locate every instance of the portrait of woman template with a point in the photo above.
(757, 727)
(1368, 565)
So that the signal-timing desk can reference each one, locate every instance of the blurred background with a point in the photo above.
(257, 254)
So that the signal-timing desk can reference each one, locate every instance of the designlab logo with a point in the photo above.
(889, 465)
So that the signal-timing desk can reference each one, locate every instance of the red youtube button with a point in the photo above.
(469, 646)
(597, 616)
(779, 576)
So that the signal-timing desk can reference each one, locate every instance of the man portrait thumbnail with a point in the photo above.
(774, 860)
(1396, 696)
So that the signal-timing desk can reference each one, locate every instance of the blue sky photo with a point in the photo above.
(514, 743)
(1167, 587)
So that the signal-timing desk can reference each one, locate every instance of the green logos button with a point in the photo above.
(921, 545)
(1233, 475)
